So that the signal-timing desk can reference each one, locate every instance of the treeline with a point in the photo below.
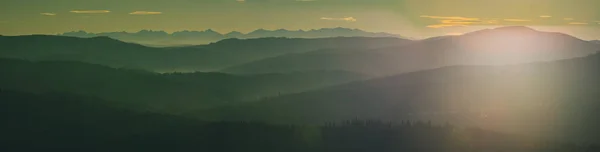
(61, 122)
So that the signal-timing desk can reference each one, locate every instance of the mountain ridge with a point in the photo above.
(162, 92)
(489, 96)
(505, 45)
(209, 35)
(211, 57)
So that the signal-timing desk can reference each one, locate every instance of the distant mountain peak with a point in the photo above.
(261, 29)
(103, 38)
(210, 35)
(151, 31)
(235, 32)
(337, 29)
(505, 29)
(210, 30)
(516, 28)
(80, 31)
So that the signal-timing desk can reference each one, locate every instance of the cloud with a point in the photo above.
(450, 18)
(545, 16)
(145, 13)
(453, 21)
(568, 19)
(442, 25)
(461, 21)
(241, 1)
(48, 14)
(90, 11)
(516, 20)
(578, 23)
(347, 19)
(454, 33)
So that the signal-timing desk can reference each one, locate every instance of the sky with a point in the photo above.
(410, 18)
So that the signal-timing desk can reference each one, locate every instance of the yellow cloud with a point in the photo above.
(516, 20)
(545, 16)
(492, 22)
(454, 33)
(459, 22)
(48, 14)
(90, 11)
(455, 21)
(241, 1)
(145, 13)
(568, 19)
(348, 19)
(450, 18)
(444, 25)
(578, 23)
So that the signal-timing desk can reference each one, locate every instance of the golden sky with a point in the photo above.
(412, 18)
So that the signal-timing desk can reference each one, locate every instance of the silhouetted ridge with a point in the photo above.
(500, 46)
(62, 41)
(204, 37)
(111, 52)
(515, 28)
(520, 96)
(169, 92)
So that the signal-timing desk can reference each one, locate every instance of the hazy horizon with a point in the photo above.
(410, 18)
(400, 35)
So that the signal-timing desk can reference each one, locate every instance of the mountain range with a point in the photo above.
(505, 45)
(376, 56)
(211, 57)
(554, 99)
(169, 92)
(162, 38)
(509, 79)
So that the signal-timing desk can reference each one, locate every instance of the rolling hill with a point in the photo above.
(555, 99)
(171, 92)
(505, 45)
(212, 57)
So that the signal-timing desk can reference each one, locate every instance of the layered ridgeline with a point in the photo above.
(551, 99)
(505, 45)
(367, 55)
(170, 92)
(215, 56)
(70, 123)
(162, 38)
